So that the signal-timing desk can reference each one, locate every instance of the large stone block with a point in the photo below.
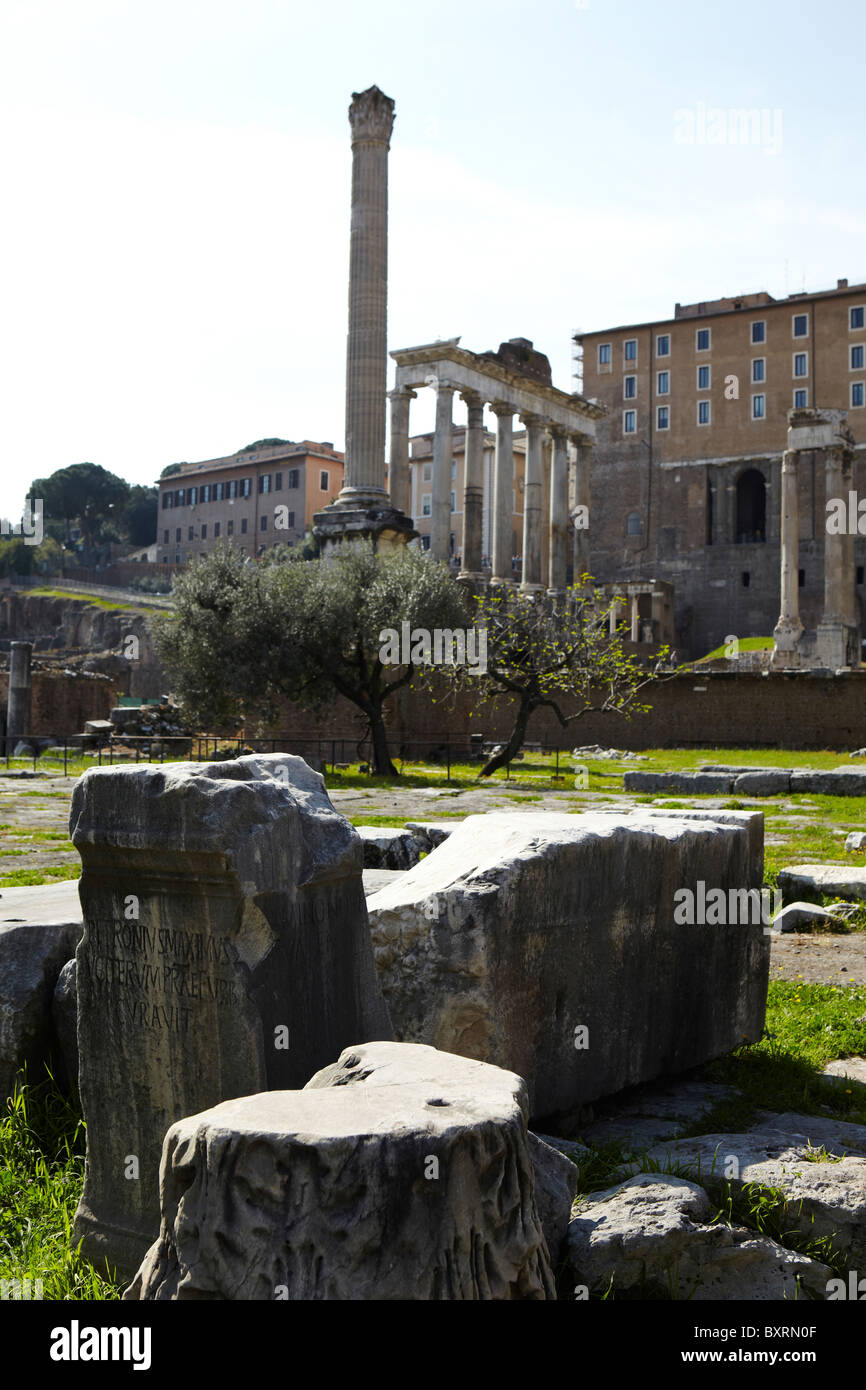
(226, 951)
(811, 881)
(31, 958)
(840, 781)
(375, 1182)
(524, 929)
(763, 782)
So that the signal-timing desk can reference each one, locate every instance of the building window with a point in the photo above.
(759, 368)
(702, 340)
(629, 387)
(278, 482)
(263, 523)
(857, 394)
(294, 477)
(663, 345)
(426, 472)
(426, 501)
(604, 354)
(859, 579)
(205, 492)
(663, 383)
(801, 364)
(323, 480)
(758, 407)
(453, 468)
(204, 530)
(243, 526)
(855, 316)
(246, 487)
(703, 412)
(264, 482)
(632, 525)
(630, 349)
(629, 421)
(177, 536)
(193, 496)
(801, 579)
(856, 357)
(177, 559)
(800, 326)
(190, 533)
(425, 542)
(663, 417)
(291, 521)
(759, 331)
(178, 497)
(218, 491)
(230, 528)
(801, 399)
(703, 378)
(166, 501)
(165, 538)
(216, 530)
(745, 578)
(454, 501)
(751, 506)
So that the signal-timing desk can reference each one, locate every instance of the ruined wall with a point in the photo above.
(92, 638)
(717, 709)
(62, 703)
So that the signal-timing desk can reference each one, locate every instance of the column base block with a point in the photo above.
(385, 526)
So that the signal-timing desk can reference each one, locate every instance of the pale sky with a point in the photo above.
(175, 228)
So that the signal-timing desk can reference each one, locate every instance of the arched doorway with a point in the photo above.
(751, 506)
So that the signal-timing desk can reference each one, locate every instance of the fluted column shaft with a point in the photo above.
(372, 117)
(503, 493)
(558, 553)
(473, 484)
(440, 508)
(398, 469)
(532, 503)
(835, 605)
(789, 608)
(582, 505)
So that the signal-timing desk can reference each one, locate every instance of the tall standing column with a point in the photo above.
(558, 553)
(849, 587)
(398, 470)
(18, 706)
(503, 494)
(581, 505)
(363, 509)
(372, 119)
(531, 580)
(789, 628)
(440, 509)
(834, 543)
(473, 486)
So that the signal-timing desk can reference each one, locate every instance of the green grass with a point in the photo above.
(49, 873)
(41, 1176)
(93, 599)
(745, 644)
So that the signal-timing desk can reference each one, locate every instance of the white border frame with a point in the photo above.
(801, 337)
(633, 412)
(763, 341)
(629, 376)
(665, 371)
(702, 424)
(709, 332)
(661, 428)
(795, 375)
(704, 367)
(756, 395)
(758, 381)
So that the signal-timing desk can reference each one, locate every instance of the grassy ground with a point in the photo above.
(92, 599)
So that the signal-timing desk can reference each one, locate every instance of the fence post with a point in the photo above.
(448, 759)
(65, 751)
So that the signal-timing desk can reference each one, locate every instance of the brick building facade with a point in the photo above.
(686, 475)
(261, 496)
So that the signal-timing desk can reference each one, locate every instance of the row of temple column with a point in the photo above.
(538, 511)
(840, 592)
